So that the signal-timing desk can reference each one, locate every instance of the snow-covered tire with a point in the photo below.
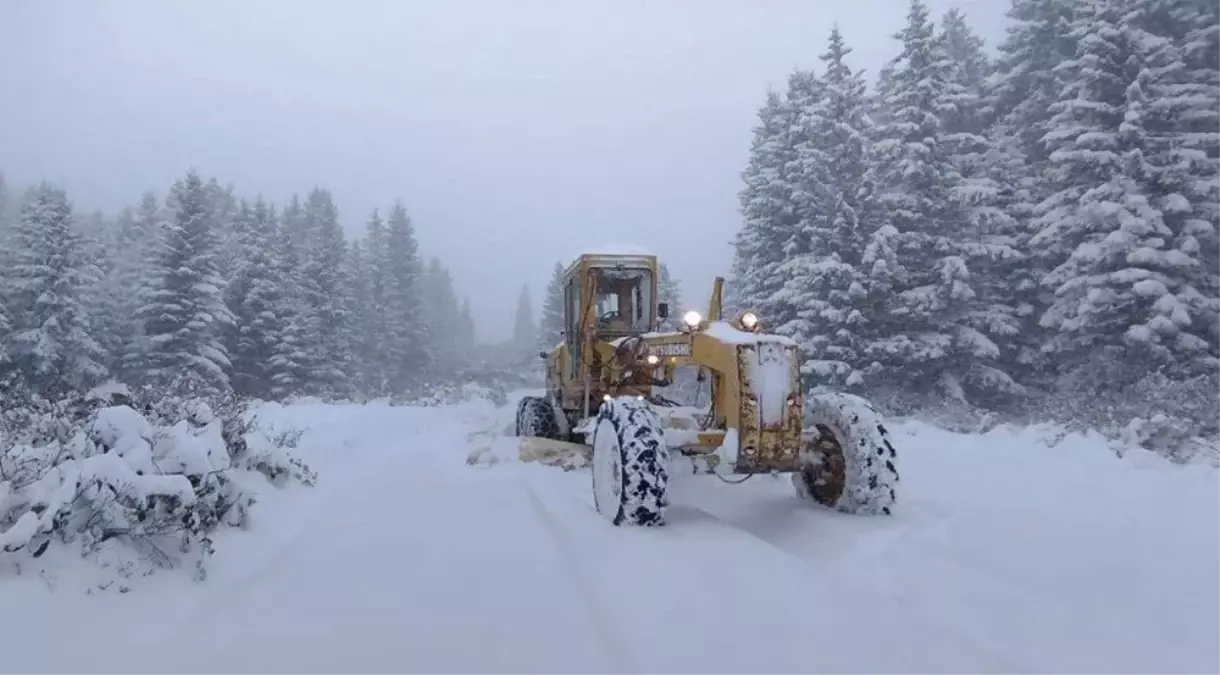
(850, 465)
(630, 463)
(536, 418)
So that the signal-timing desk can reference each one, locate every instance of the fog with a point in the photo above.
(516, 133)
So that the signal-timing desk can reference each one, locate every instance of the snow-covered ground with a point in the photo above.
(1006, 556)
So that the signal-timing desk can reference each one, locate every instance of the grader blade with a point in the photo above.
(565, 455)
(489, 450)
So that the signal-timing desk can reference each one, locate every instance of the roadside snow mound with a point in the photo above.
(96, 473)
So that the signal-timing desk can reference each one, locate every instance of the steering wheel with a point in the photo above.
(608, 317)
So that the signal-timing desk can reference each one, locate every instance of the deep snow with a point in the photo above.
(1006, 556)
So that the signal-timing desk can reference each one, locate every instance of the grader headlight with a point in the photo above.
(748, 322)
(692, 319)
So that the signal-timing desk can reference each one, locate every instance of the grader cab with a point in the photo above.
(601, 383)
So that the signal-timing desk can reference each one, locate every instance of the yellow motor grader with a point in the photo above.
(601, 383)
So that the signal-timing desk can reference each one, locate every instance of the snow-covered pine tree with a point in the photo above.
(988, 191)
(1026, 80)
(550, 327)
(788, 240)
(363, 354)
(969, 70)
(112, 314)
(923, 338)
(223, 204)
(135, 277)
(408, 338)
(1120, 274)
(254, 295)
(185, 315)
(6, 368)
(326, 285)
(766, 210)
(45, 278)
(8, 210)
(822, 279)
(441, 310)
(373, 332)
(525, 331)
(467, 336)
(1201, 50)
(289, 365)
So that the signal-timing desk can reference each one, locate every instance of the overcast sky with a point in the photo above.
(516, 132)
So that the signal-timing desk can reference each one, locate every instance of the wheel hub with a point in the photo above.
(825, 473)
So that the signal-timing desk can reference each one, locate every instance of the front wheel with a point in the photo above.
(848, 462)
(630, 463)
(536, 418)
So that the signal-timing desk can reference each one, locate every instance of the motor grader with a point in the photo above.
(602, 385)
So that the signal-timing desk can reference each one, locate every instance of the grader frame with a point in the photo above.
(600, 400)
(754, 424)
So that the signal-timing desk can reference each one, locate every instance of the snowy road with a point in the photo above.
(1007, 556)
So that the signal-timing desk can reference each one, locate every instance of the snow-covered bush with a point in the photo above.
(1176, 417)
(159, 477)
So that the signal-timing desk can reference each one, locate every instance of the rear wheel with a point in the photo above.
(848, 462)
(630, 463)
(536, 418)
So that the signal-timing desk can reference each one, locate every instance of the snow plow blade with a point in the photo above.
(561, 454)
(565, 455)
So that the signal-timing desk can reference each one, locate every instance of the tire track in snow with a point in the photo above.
(891, 591)
(607, 634)
(320, 508)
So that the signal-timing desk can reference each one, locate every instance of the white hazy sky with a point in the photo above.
(516, 132)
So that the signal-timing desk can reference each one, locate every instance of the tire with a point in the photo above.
(849, 464)
(630, 464)
(536, 418)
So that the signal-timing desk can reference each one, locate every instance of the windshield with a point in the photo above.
(624, 300)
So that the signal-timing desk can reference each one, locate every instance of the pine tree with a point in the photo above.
(1201, 50)
(822, 279)
(290, 362)
(550, 327)
(135, 277)
(185, 316)
(45, 277)
(467, 335)
(326, 285)
(408, 346)
(786, 239)
(766, 210)
(374, 327)
(1026, 81)
(525, 331)
(223, 205)
(1119, 272)
(989, 193)
(364, 354)
(926, 338)
(6, 368)
(441, 310)
(254, 295)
